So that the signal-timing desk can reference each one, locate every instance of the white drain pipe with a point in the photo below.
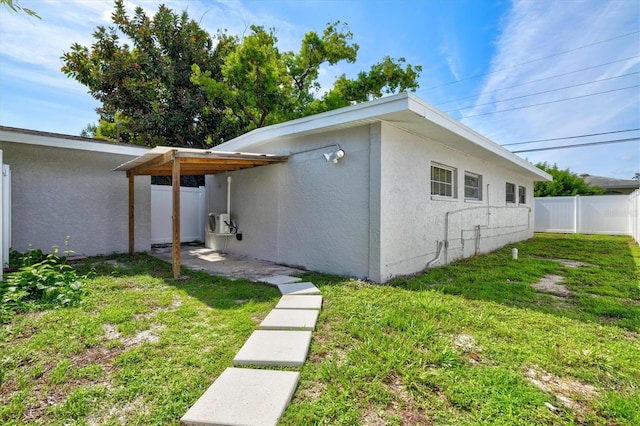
(229, 197)
(437, 258)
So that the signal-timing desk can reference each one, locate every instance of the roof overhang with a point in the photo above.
(405, 111)
(57, 140)
(159, 161)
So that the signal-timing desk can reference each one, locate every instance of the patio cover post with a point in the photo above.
(131, 214)
(175, 181)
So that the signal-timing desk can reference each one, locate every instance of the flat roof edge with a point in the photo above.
(57, 140)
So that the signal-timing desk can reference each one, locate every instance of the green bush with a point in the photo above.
(43, 281)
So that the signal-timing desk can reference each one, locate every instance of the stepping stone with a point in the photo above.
(275, 347)
(291, 301)
(280, 279)
(298, 288)
(290, 319)
(244, 396)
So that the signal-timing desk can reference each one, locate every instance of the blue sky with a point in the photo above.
(482, 62)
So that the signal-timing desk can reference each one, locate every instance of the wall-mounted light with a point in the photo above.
(334, 156)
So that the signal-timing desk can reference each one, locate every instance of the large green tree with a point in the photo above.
(261, 85)
(564, 182)
(177, 86)
(145, 89)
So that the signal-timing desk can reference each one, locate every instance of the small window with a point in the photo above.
(443, 181)
(511, 193)
(472, 186)
(522, 195)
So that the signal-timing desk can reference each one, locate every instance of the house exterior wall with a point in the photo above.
(59, 192)
(305, 212)
(413, 221)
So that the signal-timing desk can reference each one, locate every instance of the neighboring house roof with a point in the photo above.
(610, 183)
(405, 111)
(35, 137)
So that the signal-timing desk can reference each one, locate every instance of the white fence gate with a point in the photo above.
(193, 205)
(600, 214)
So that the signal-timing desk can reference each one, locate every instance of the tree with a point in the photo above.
(146, 93)
(15, 6)
(636, 177)
(564, 182)
(261, 85)
(175, 86)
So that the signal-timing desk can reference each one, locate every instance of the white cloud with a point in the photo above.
(540, 29)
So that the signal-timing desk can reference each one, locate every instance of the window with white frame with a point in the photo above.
(522, 195)
(472, 186)
(511, 193)
(443, 180)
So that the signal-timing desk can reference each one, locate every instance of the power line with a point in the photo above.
(571, 137)
(532, 60)
(544, 91)
(577, 145)
(535, 81)
(552, 102)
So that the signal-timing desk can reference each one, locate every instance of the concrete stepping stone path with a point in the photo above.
(275, 347)
(243, 396)
(289, 301)
(246, 396)
(290, 319)
(298, 289)
(280, 279)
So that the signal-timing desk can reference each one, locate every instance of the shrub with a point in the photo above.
(43, 281)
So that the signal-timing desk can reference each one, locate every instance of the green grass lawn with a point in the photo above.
(471, 343)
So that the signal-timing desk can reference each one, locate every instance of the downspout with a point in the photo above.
(437, 258)
(229, 196)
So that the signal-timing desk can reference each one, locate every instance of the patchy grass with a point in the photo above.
(140, 349)
(471, 343)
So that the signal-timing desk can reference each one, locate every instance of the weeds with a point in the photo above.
(41, 282)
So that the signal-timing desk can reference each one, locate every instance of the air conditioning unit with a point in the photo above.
(219, 223)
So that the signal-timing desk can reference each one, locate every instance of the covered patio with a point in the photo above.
(176, 162)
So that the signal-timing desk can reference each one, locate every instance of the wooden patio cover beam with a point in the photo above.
(176, 163)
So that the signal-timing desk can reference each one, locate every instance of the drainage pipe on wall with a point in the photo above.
(438, 254)
(229, 197)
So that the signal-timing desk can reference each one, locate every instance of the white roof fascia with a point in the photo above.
(371, 112)
(434, 115)
(62, 142)
(359, 112)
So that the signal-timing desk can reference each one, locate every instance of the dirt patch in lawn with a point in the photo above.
(571, 393)
(551, 284)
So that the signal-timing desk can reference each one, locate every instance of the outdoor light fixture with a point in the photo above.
(334, 156)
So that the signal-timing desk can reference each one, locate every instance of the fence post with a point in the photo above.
(576, 214)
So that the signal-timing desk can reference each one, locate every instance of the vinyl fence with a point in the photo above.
(602, 214)
(192, 214)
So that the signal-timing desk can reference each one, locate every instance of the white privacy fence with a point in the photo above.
(193, 205)
(600, 214)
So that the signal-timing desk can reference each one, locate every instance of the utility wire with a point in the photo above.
(535, 81)
(532, 60)
(571, 137)
(552, 102)
(577, 145)
(543, 92)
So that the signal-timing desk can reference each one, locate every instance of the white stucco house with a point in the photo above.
(64, 186)
(402, 181)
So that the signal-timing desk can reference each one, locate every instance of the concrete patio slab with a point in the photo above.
(275, 347)
(280, 279)
(292, 301)
(199, 258)
(298, 288)
(243, 396)
(290, 319)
